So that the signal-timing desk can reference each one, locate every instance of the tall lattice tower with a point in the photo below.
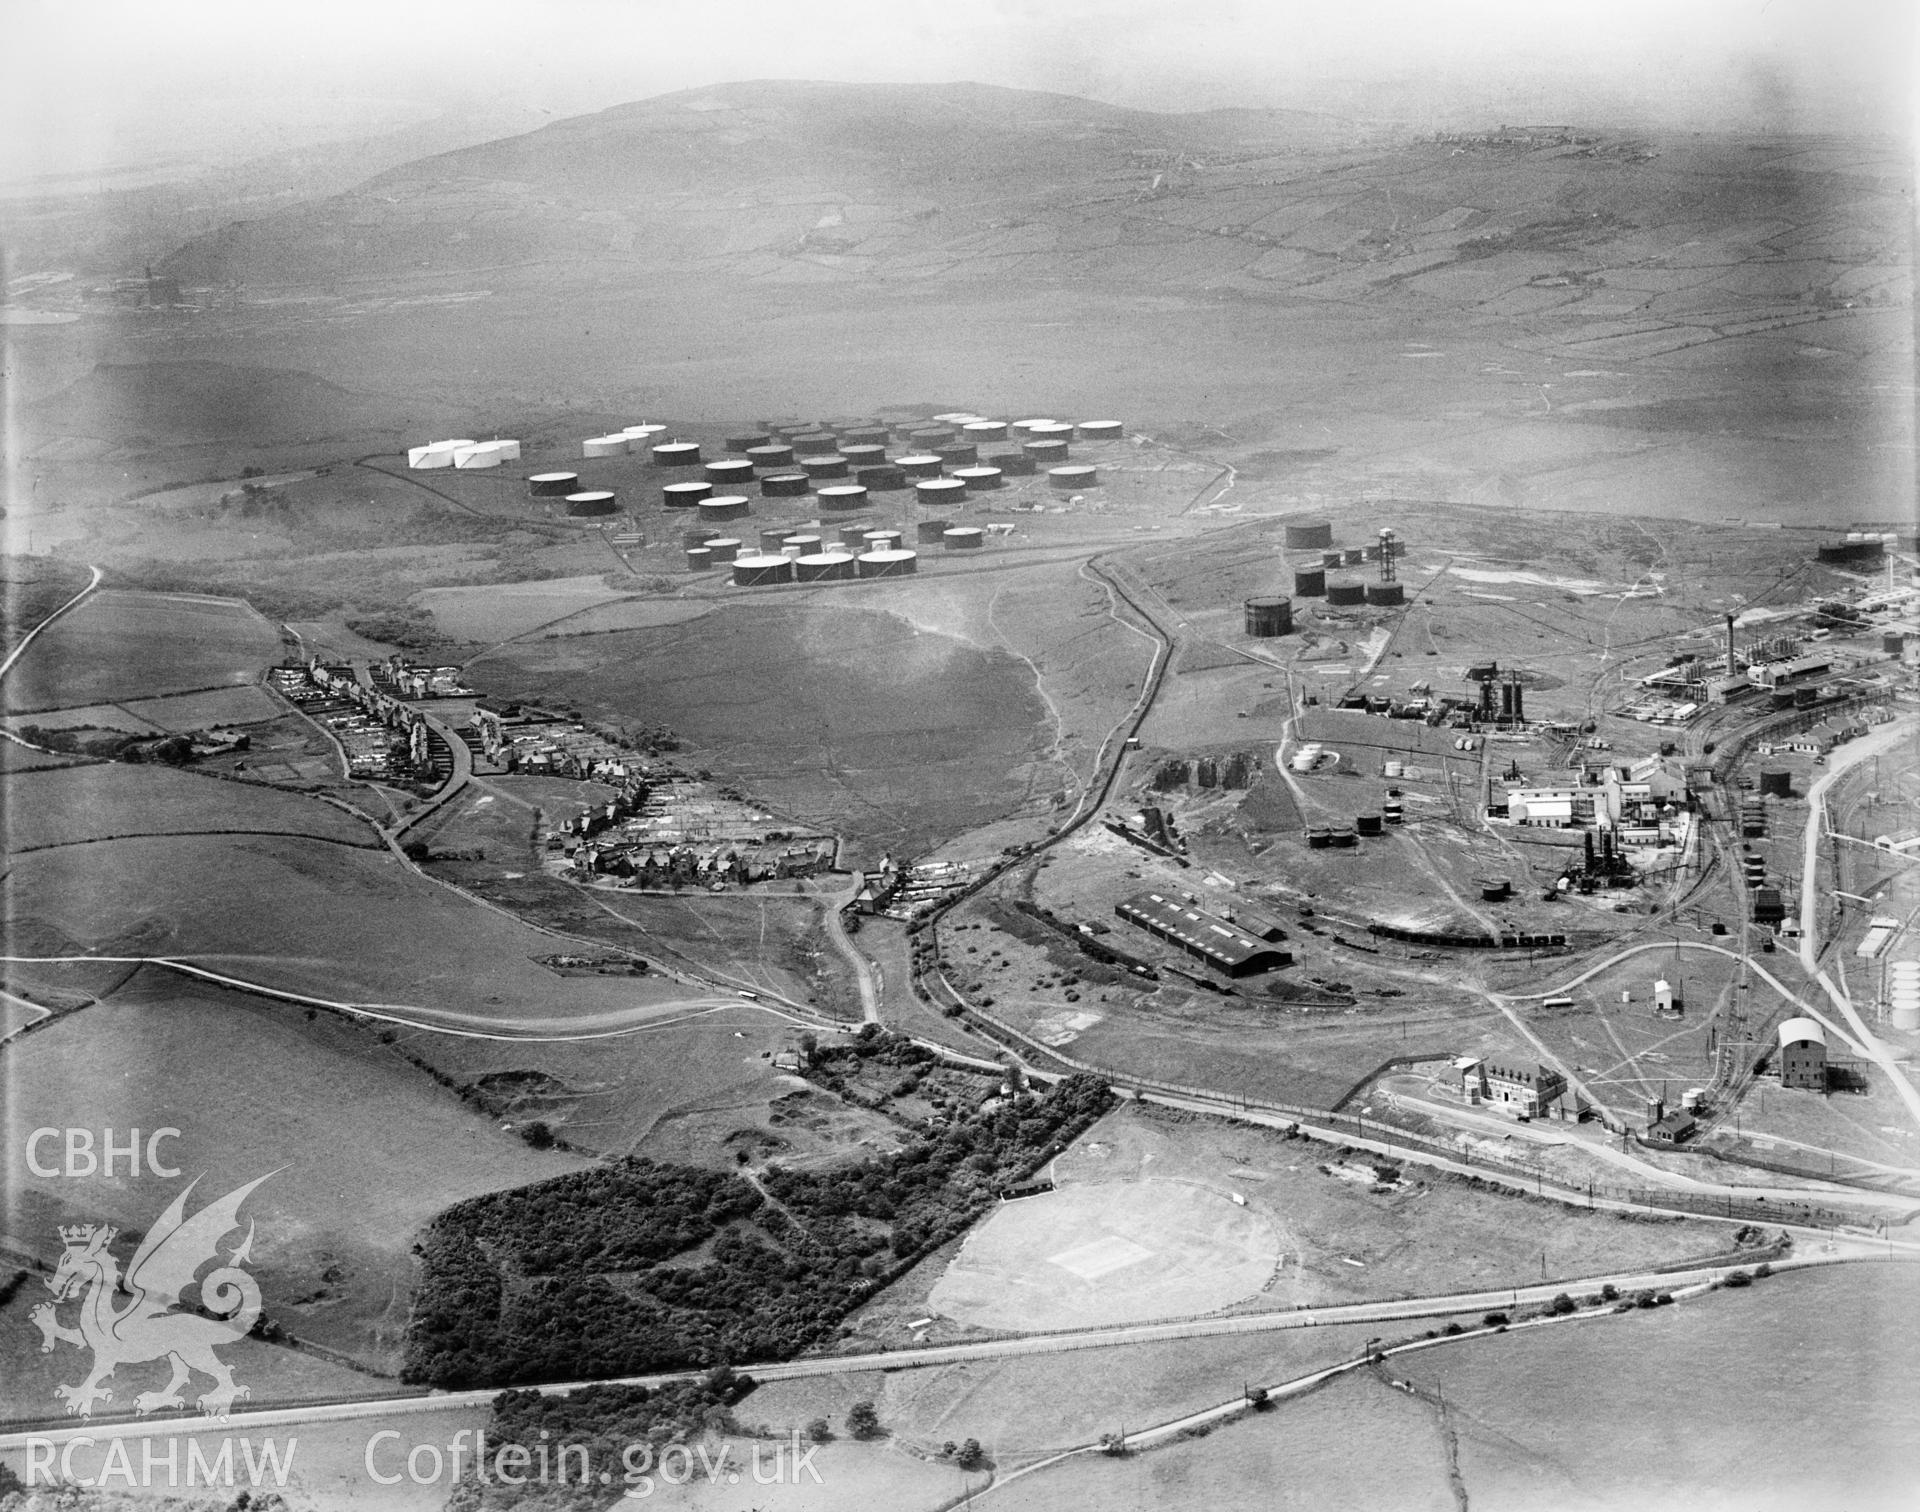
(1389, 549)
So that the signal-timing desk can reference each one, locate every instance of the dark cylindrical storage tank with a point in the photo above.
(1045, 453)
(725, 507)
(1308, 535)
(1074, 475)
(814, 443)
(553, 485)
(939, 493)
(770, 539)
(1319, 837)
(698, 536)
(686, 495)
(889, 563)
(824, 465)
(1346, 594)
(1353, 556)
(822, 567)
(930, 531)
(1331, 559)
(747, 443)
(784, 485)
(729, 472)
(724, 549)
(957, 453)
(699, 558)
(1495, 889)
(927, 437)
(595, 501)
(1367, 824)
(865, 435)
(1385, 595)
(1776, 784)
(802, 543)
(1343, 839)
(676, 454)
(854, 535)
(1309, 582)
(977, 431)
(919, 465)
(1013, 464)
(863, 454)
(843, 496)
(881, 540)
(774, 454)
(758, 571)
(1269, 616)
(1393, 813)
(978, 479)
(882, 479)
(1100, 430)
(963, 538)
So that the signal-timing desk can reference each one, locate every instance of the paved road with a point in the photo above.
(1501, 1299)
(1839, 763)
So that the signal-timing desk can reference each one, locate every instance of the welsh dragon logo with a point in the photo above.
(151, 1325)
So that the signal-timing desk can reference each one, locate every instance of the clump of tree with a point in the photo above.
(863, 1422)
(605, 1420)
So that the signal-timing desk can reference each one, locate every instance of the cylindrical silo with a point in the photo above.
(1309, 582)
(929, 531)
(686, 495)
(593, 501)
(784, 485)
(963, 538)
(957, 453)
(977, 431)
(824, 465)
(773, 454)
(843, 496)
(724, 548)
(893, 563)
(822, 567)
(1386, 595)
(1074, 475)
(729, 472)
(1269, 616)
(604, 446)
(723, 507)
(939, 493)
(699, 558)
(760, 571)
(919, 465)
(978, 479)
(1308, 535)
(676, 454)
(1012, 464)
(889, 479)
(1346, 595)
(1100, 430)
(553, 485)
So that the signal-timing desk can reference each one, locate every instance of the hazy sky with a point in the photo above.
(86, 84)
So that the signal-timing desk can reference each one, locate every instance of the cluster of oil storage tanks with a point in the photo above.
(464, 454)
(1903, 994)
(1314, 559)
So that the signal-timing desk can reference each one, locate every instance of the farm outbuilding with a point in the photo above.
(1803, 1055)
(1223, 946)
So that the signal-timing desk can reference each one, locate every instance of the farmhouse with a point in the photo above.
(1221, 945)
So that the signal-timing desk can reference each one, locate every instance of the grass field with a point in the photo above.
(840, 718)
(123, 645)
(364, 1147)
(198, 711)
(78, 804)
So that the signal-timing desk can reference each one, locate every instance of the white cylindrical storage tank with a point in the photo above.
(594, 501)
(963, 538)
(886, 563)
(724, 548)
(686, 495)
(919, 465)
(1024, 428)
(843, 496)
(984, 430)
(758, 571)
(1907, 1015)
(979, 479)
(553, 485)
(939, 493)
(480, 454)
(955, 417)
(639, 435)
(676, 454)
(882, 540)
(423, 456)
(605, 446)
(1050, 430)
(822, 567)
(723, 507)
(1100, 430)
(1074, 475)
